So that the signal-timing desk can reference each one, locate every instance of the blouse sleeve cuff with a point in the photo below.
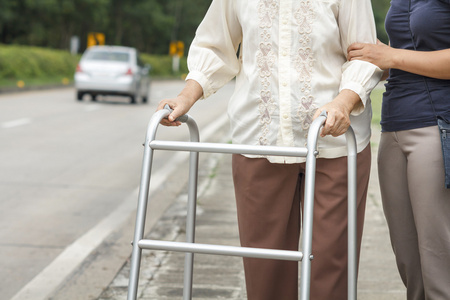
(203, 81)
(361, 91)
(360, 77)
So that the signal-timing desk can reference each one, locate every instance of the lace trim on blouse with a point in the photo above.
(304, 63)
(266, 58)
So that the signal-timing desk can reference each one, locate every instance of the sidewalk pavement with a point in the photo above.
(222, 277)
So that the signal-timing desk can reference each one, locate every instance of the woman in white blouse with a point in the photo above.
(292, 65)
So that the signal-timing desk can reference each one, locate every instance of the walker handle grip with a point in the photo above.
(182, 119)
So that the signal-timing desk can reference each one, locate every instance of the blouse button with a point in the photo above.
(284, 83)
(285, 116)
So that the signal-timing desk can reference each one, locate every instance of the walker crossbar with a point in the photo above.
(221, 250)
(227, 148)
(190, 247)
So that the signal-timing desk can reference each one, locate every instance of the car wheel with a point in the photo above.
(80, 96)
(132, 99)
(94, 97)
(144, 99)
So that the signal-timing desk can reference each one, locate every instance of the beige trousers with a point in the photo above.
(417, 209)
(268, 200)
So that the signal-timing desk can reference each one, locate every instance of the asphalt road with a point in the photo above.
(69, 173)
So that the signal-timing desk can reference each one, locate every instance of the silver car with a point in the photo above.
(112, 70)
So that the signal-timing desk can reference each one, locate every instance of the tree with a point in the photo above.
(139, 23)
(149, 25)
(7, 14)
(380, 8)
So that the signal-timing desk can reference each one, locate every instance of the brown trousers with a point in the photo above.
(268, 200)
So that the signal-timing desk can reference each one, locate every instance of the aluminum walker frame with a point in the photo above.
(190, 247)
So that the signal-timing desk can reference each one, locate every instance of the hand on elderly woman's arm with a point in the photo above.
(427, 63)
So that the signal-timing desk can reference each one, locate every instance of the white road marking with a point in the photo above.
(16, 123)
(62, 266)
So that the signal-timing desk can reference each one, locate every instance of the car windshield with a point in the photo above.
(108, 55)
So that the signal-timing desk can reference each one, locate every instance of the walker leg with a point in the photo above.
(352, 215)
(190, 225)
(140, 222)
(307, 227)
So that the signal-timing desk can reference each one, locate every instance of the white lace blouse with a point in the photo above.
(292, 60)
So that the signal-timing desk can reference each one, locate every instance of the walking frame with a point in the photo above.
(190, 247)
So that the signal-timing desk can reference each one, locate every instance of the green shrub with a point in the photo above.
(162, 65)
(377, 98)
(34, 64)
(22, 62)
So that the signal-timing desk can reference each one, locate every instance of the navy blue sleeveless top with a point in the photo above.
(422, 25)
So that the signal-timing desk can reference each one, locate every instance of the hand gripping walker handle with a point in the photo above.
(182, 119)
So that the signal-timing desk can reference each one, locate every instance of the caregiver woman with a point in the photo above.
(410, 161)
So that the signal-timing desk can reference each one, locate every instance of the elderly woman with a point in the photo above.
(291, 66)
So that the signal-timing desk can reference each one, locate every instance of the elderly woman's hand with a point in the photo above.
(338, 113)
(182, 103)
